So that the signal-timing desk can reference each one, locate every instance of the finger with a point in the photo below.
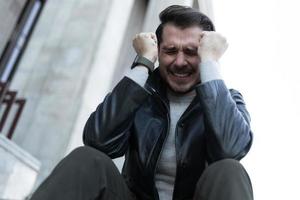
(203, 34)
(153, 36)
(147, 35)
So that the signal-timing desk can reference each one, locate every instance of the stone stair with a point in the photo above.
(18, 171)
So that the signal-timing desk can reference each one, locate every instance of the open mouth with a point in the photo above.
(181, 74)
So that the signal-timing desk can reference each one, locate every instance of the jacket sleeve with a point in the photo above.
(107, 128)
(227, 121)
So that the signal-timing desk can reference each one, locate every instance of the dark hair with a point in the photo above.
(183, 17)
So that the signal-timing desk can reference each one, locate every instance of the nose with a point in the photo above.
(180, 59)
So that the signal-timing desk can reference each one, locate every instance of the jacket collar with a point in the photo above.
(157, 85)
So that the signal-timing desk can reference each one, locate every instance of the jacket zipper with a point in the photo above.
(176, 130)
(168, 129)
(188, 110)
(167, 133)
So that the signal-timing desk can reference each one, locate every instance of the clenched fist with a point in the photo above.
(212, 46)
(145, 44)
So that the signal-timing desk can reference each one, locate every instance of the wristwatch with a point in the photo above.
(140, 60)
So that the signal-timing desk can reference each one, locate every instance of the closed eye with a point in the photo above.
(170, 51)
(191, 52)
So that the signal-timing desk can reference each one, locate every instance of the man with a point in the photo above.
(181, 130)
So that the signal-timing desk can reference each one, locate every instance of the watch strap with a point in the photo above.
(140, 60)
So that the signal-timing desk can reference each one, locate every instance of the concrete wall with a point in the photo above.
(18, 170)
(53, 73)
(134, 26)
(103, 67)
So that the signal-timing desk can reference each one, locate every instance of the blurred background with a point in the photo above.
(59, 58)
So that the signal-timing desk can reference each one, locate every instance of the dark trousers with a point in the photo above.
(88, 174)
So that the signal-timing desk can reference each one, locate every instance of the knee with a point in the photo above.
(227, 164)
(227, 177)
(85, 155)
(227, 168)
(87, 152)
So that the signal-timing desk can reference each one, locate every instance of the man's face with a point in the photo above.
(178, 57)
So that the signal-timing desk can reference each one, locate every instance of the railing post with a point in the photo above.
(8, 100)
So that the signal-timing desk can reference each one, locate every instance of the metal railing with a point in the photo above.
(11, 109)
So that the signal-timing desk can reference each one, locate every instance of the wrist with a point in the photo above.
(150, 57)
(143, 61)
(209, 70)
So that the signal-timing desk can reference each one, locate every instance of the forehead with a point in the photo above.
(173, 34)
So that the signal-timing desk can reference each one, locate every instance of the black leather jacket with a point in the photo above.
(135, 121)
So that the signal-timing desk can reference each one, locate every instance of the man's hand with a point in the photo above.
(145, 44)
(212, 46)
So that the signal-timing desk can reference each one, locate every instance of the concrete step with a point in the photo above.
(18, 170)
